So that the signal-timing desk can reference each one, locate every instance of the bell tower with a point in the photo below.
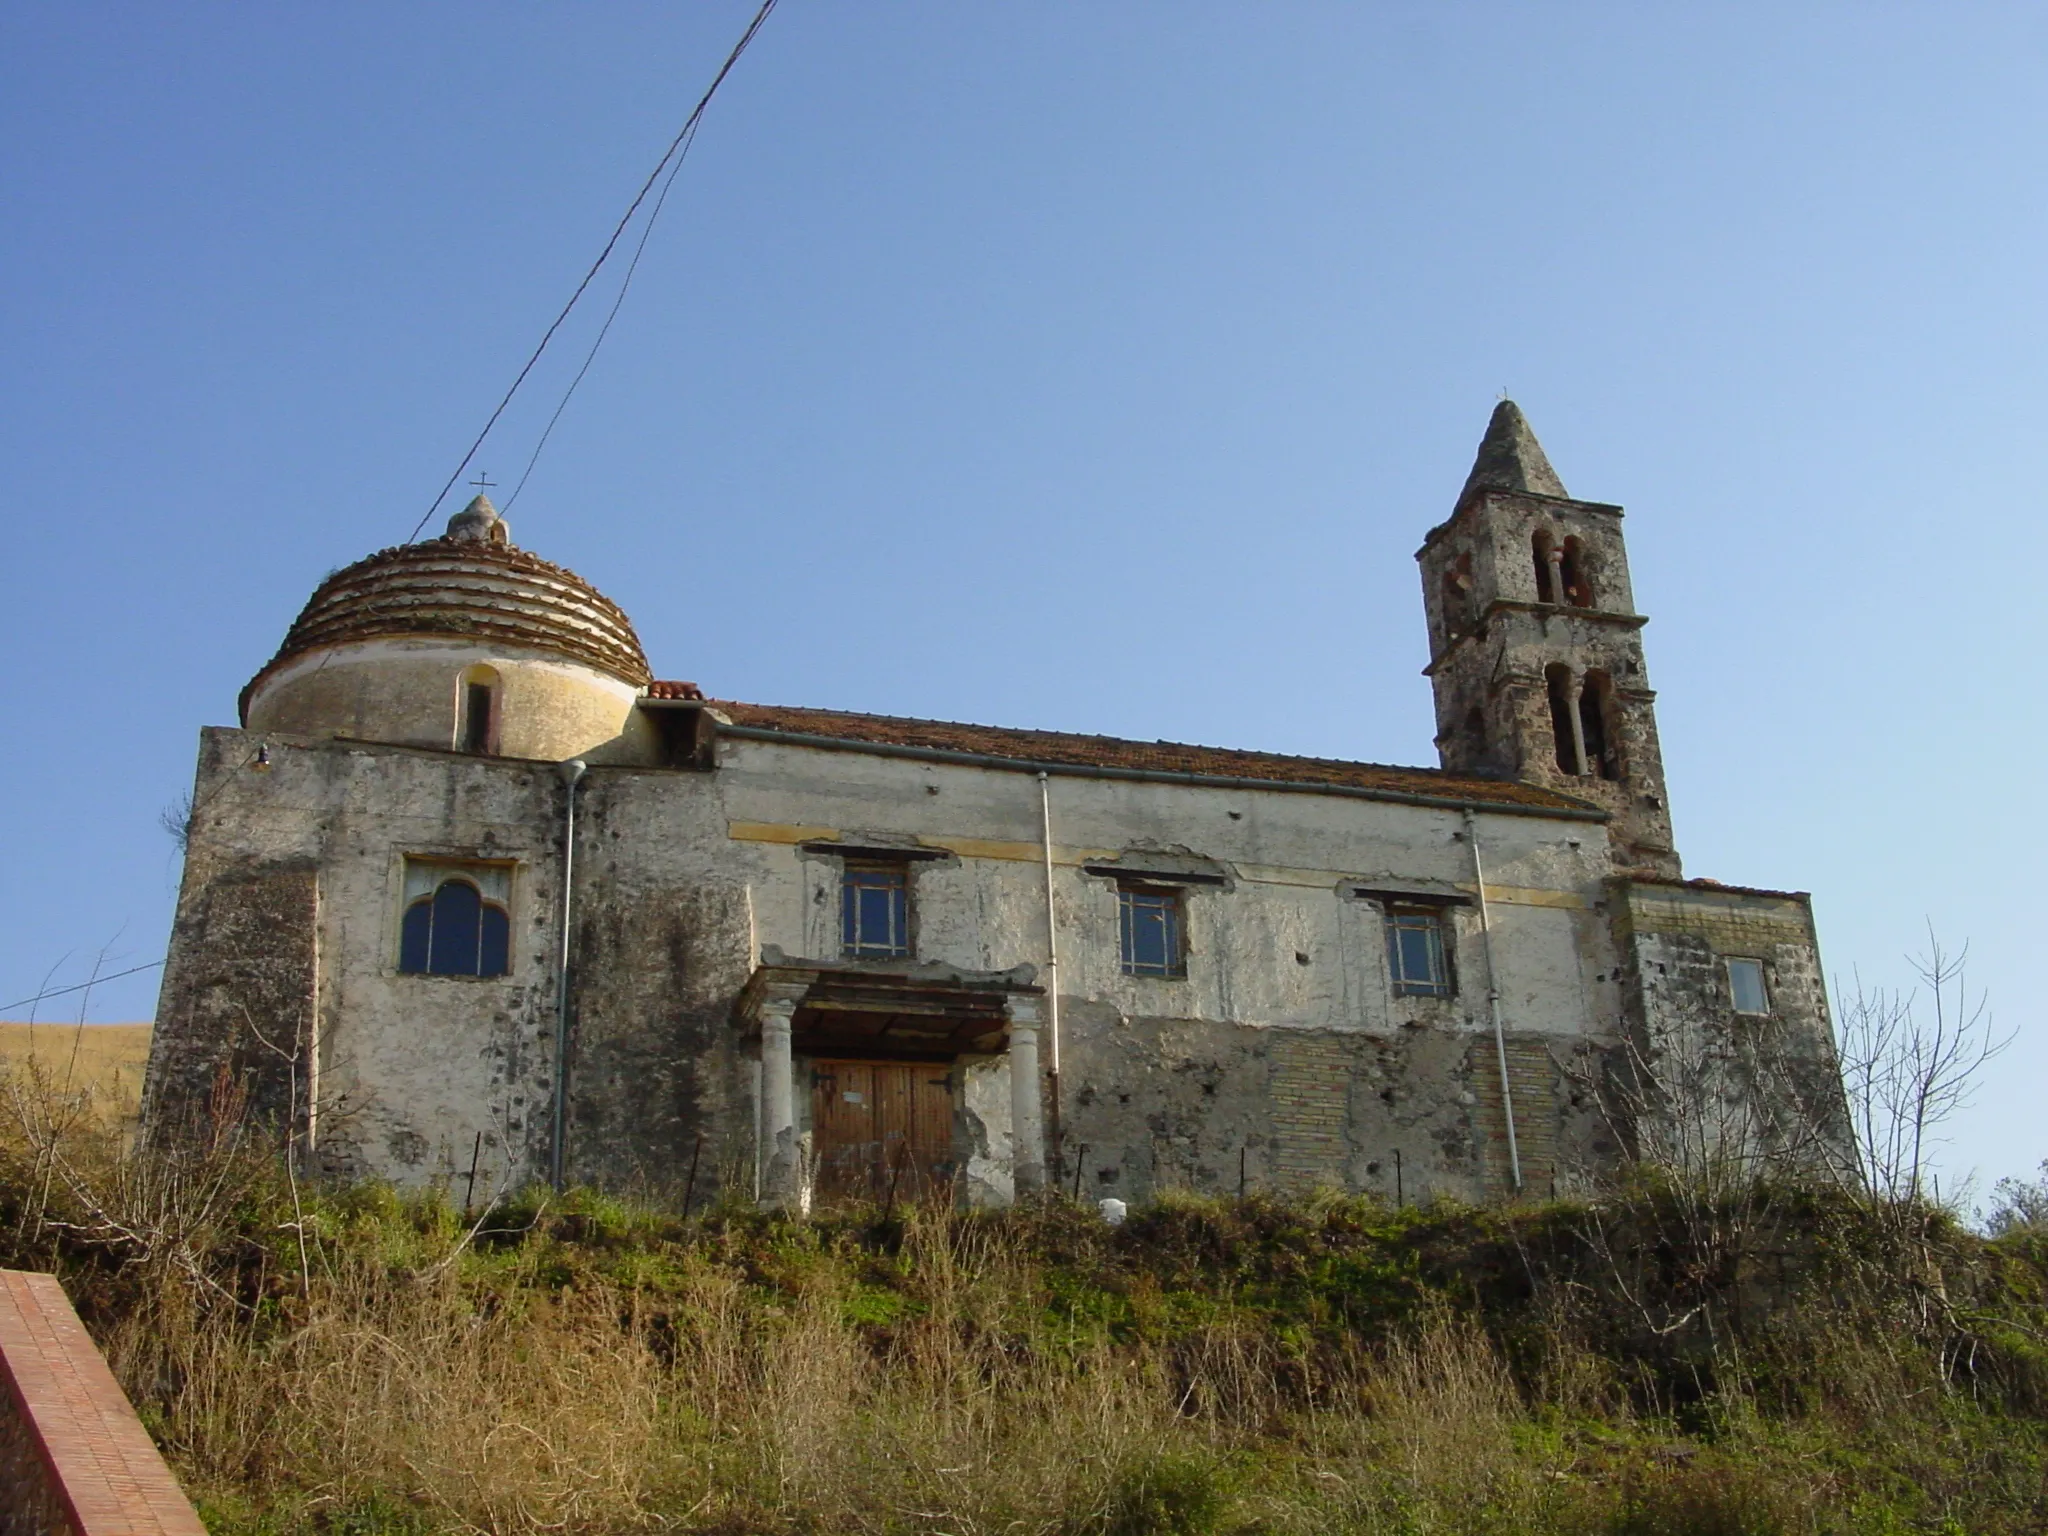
(1535, 647)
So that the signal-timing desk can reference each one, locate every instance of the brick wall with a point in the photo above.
(74, 1459)
(1310, 1087)
(1532, 1080)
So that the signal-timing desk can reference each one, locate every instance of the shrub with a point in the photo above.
(1173, 1493)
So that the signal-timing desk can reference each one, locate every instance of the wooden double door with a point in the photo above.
(881, 1129)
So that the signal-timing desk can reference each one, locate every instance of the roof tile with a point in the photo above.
(1165, 757)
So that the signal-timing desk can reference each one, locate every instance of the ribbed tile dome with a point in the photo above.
(473, 584)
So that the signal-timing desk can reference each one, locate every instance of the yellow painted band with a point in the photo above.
(1033, 853)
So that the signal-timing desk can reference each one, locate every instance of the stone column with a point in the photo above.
(779, 1169)
(1027, 1112)
(1574, 697)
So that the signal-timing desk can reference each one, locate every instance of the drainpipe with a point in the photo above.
(1500, 1041)
(572, 772)
(1052, 982)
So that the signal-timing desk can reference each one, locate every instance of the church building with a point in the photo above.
(471, 897)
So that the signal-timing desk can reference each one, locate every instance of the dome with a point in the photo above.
(383, 646)
(474, 584)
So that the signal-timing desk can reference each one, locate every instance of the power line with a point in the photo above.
(604, 330)
(679, 142)
(83, 986)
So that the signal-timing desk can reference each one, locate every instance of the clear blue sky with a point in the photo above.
(1075, 365)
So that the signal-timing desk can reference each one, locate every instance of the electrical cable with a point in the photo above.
(604, 330)
(687, 131)
(81, 987)
(672, 162)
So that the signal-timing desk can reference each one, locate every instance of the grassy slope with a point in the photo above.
(347, 1360)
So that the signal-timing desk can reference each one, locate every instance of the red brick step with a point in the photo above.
(74, 1458)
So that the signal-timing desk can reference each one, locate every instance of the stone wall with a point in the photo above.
(244, 973)
(1493, 633)
(1712, 1084)
(1165, 1104)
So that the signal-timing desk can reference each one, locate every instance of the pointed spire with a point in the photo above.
(1510, 458)
(479, 521)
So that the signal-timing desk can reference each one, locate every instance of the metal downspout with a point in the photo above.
(1500, 1042)
(572, 773)
(1052, 983)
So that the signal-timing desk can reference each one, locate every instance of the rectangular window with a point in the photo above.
(1416, 959)
(874, 912)
(1746, 986)
(1149, 923)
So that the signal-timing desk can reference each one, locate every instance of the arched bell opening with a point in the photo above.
(1543, 550)
(1557, 678)
(1577, 586)
(1597, 726)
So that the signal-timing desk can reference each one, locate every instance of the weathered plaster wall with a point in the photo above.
(1291, 859)
(408, 692)
(411, 1070)
(1282, 1058)
(1168, 1081)
(983, 1133)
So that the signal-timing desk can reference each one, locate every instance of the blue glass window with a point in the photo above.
(1415, 952)
(455, 932)
(1150, 931)
(874, 912)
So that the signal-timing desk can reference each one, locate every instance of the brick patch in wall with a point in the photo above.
(74, 1459)
(1311, 1096)
(1743, 929)
(1532, 1080)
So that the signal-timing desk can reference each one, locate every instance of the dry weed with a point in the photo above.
(350, 1361)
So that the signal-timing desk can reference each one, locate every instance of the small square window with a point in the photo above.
(874, 912)
(1416, 959)
(1746, 986)
(457, 920)
(1149, 930)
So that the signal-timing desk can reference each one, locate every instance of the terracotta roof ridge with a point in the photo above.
(463, 549)
(469, 588)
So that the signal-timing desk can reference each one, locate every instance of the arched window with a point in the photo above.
(477, 708)
(1578, 587)
(1542, 547)
(1596, 726)
(453, 931)
(1564, 737)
